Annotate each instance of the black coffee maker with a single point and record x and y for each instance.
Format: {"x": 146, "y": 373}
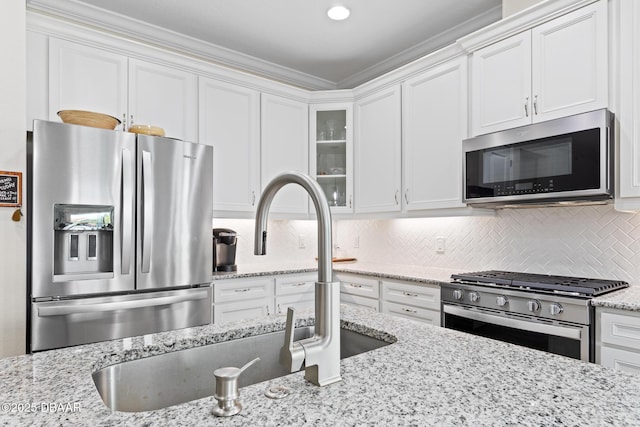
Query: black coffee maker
{"x": 224, "y": 250}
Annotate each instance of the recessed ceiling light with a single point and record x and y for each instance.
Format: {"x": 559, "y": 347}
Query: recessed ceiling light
{"x": 338, "y": 13}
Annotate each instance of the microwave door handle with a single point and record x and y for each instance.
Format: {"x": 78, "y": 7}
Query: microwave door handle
{"x": 147, "y": 210}
{"x": 127, "y": 210}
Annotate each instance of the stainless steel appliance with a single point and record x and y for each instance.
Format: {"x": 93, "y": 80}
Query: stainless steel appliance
{"x": 567, "y": 160}
{"x": 224, "y": 250}
{"x": 118, "y": 234}
{"x": 549, "y": 313}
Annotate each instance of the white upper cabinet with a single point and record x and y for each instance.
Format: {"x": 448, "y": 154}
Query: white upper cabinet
{"x": 331, "y": 154}
{"x": 284, "y": 139}
{"x": 86, "y": 78}
{"x": 434, "y": 115}
{"x": 628, "y": 114}
{"x": 556, "y": 69}
{"x": 501, "y": 85}
{"x": 163, "y": 96}
{"x": 378, "y": 151}
{"x": 229, "y": 120}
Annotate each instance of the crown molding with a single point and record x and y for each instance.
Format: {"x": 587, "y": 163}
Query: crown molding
{"x": 91, "y": 16}
{"x": 524, "y": 20}
{"x": 422, "y": 49}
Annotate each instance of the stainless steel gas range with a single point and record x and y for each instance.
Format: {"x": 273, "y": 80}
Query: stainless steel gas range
{"x": 549, "y": 313}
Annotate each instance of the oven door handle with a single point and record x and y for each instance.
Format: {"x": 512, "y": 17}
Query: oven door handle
{"x": 555, "y": 330}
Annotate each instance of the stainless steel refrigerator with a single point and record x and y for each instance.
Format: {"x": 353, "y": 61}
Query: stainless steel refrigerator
{"x": 119, "y": 234}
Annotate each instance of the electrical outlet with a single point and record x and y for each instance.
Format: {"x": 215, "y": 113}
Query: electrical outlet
{"x": 356, "y": 242}
{"x": 301, "y": 244}
{"x": 440, "y": 244}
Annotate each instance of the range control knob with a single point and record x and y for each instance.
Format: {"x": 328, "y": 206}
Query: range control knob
{"x": 533, "y": 305}
{"x": 556, "y": 308}
{"x": 457, "y": 294}
{"x": 502, "y": 301}
{"x": 474, "y": 296}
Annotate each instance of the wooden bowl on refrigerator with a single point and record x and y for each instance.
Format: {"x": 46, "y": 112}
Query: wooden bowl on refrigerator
{"x": 88, "y": 118}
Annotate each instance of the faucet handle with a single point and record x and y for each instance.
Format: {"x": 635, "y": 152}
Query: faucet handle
{"x": 227, "y": 390}
{"x": 291, "y": 354}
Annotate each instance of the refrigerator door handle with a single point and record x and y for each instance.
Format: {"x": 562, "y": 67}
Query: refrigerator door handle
{"x": 67, "y": 309}
{"x": 127, "y": 210}
{"x": 147, "y": 210}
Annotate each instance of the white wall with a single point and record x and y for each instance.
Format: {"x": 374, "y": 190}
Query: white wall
{"x": 586, "y": 241}
{"x": 12, "y": 158}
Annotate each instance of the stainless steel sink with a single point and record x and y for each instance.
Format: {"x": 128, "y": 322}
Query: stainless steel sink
{"x": 159, "y": 381}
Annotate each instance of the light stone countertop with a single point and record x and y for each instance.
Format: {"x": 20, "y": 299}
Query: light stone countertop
{"x": 430, "y": 376}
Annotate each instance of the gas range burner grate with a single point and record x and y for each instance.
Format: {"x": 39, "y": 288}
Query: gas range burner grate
{"x": 542, "y": 282}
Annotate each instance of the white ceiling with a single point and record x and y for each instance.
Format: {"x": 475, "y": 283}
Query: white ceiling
{"x": 295, "y": 41}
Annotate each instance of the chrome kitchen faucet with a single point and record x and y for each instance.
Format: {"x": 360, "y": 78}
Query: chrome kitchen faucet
{"x": 320, "y": 353}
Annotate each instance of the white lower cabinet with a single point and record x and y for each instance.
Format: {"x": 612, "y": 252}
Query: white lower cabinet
{"x": 359, "y": 291}
{"x": 295, "y": 291}
{"x": 618, "y": 339}
{"x": 246, "y": 298}
{"x": 417, "y": 302}
{"x": 238, "y": 299}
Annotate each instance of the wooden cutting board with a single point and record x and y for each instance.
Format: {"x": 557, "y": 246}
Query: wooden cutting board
{"x": 345, "y": 259}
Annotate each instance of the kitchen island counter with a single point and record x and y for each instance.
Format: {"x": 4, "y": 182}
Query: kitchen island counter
{"x": 430, "y": 376}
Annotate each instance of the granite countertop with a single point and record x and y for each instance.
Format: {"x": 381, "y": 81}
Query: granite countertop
{"x": 626, "y": 299}
{"x": 430, "y": 376}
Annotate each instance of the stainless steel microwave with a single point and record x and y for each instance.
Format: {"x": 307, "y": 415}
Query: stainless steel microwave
{"x": 563, "y": 161}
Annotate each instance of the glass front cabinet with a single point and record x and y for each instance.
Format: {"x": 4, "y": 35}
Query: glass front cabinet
{"x": 331, "y": 159}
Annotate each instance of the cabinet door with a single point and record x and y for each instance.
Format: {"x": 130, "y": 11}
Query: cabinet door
{"x": 629, "y": 109}
{"x": 230, "y": 122}
{"x": 163, "y": 96}
{"x": 501, "y": 85}
{"x": 378, "y": 152}
{"x": 570, "y": 63}
{"x": 86, "y": 78}
{"x": 434, "y": 118}
{"x": 284, "y": 133}
{"x": 248, "y": 309}
{"x": 331, "y": 154}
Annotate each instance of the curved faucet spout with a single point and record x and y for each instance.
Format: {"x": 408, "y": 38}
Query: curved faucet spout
{"x": 320, "y": 353}
{"x": 323, "y": 213}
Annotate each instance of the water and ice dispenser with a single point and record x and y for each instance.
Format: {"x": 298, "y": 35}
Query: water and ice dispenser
{"x": 83, "y": 243}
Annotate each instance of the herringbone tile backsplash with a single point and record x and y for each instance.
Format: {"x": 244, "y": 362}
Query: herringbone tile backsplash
{"x": 587, "y": 241}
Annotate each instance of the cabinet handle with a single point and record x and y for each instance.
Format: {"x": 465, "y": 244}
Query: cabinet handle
{"x": 409, "y": 294}
{"x": 354, "y": 285}
{"x": 242, "y": 290}
{"x": 535, "y": 105}
{"x": 253, "y": 198}
{"x": 406, "y": 196}
{"x": 299, "y": 284}
{"x": 268, "y": 314}
{"x": 526, "y": 106}
{"x": 131, "y": 120}
{"x": 409, "y": 311}
{"x": 124, "y": 122}
{"x": 350, "y": 196}
{"x": 279, "y": 309}
{"x": 396, "y": 197}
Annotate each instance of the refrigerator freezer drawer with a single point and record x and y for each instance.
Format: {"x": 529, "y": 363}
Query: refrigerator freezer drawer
{"x": 58, "y": 324}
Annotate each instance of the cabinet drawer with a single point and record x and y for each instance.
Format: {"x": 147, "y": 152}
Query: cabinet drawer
{"x": 359, "y": 301}
{"x": 297, "y": 302}
{"x": 412, "y": 312}
{"x": 620, "y": 330}
{"x": 361, "y": 286}
{"x": 251, "y": 309}
{"x": 406, "y": 294}
{"x": 621, "y": 360}
{"x": 296, "y": 284}
{"x": 240, "y": 290}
